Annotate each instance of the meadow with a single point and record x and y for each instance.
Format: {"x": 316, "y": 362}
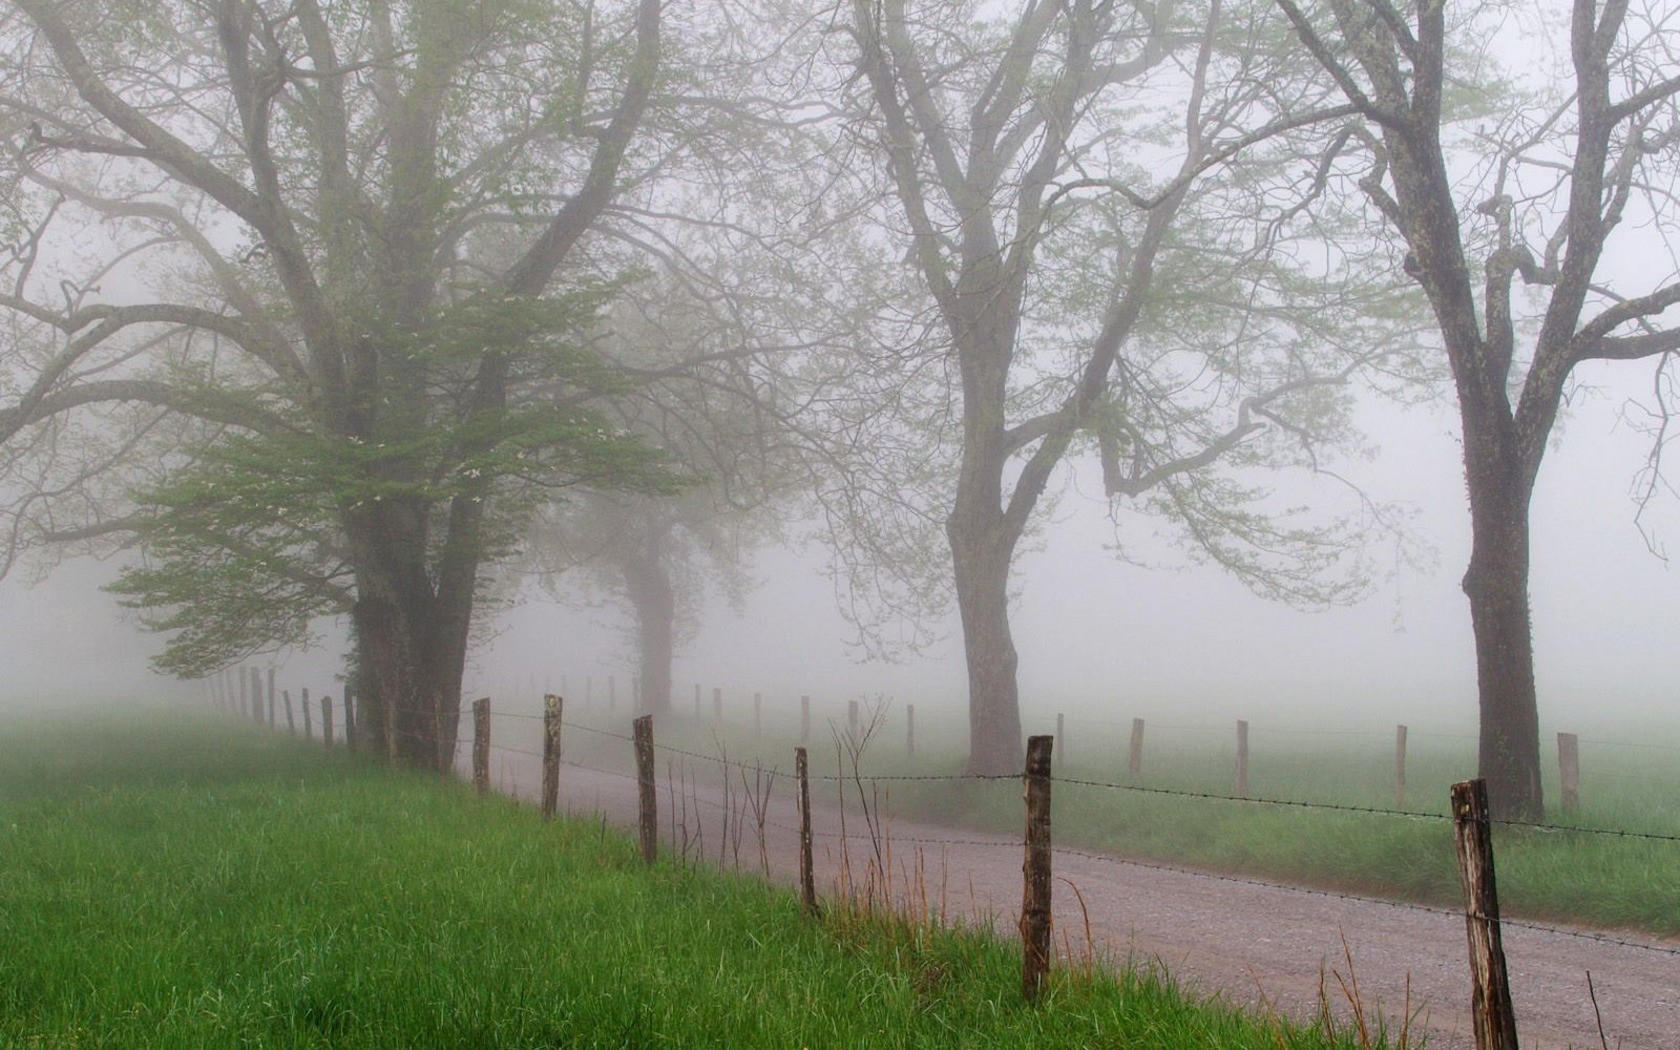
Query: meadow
{"x": 169, "y": 878}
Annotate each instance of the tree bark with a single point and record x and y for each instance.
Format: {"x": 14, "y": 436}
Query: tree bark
{"x": 994, "y": 700}
{"x": 1496, "y": 583}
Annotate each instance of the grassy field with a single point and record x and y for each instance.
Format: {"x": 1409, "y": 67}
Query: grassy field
{"x": 170, "y": 880}
{"x": 1545, "y": 875}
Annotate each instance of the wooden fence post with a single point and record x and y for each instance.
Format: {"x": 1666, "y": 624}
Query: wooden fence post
{"x": 257, "y": 714}
{"x": 1399, "y": 767}
{"x": 1494, "y": 1021}
{"x": 273, "y": 714}
{"x": 807, "y": 874}
{"x": 308, "y": 727}
{"x": 1035, "y": 870}
{"x": 1134, "y": 758}
{"x": 326, "y": 721}
{"x": 291, "y": 722}
{"x": 552, "y": 709}
{"x": 1569, "y": 771}
{"x": 649, "y": 807}
{"x": 804, "y": 718}
{"x": 1242, "y": 758}
{"x": 481, "y": 745}
{"x": 910, "y": 730}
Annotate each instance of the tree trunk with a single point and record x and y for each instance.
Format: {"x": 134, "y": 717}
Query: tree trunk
{"x": 647, "y": 581}
{"x": 1496, "y": 583}
{"x": 411, "y": 651}
{"x": 994, "y": 702}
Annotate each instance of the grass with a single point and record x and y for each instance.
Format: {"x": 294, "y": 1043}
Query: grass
{"x": 1544, "y": 875}
{"x": 169, "y": 880}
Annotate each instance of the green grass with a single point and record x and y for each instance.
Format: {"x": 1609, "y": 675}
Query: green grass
{"x": 167, "y": 880}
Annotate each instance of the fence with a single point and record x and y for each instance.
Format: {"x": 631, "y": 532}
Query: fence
{"x": 1494, "y": 1020}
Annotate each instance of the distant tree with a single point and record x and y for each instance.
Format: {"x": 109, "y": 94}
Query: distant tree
{"x": 700, "y": 396}
{"x": 1115, "y": 218}
{"x": 353, "y": 242}
{"x": 1542, "y": 191}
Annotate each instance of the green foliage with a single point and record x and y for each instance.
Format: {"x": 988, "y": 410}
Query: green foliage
{"x": 245, "y": 544}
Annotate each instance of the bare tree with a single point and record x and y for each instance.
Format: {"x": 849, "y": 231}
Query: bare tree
{"x": 1116, "y": 214}
{"x": 1534, "y": 197}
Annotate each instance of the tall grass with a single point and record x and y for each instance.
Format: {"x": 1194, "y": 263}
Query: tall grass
{"x": 170, "y": 881}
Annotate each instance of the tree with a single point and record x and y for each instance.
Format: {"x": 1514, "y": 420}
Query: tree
{"x": 705, "y": 396}
{"x": 1113, "y": 210}
{"x": 345, "y": 227}
{"x": 1555, "y": 180}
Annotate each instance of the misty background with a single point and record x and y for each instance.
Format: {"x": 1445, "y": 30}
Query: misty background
{"x": 1098, "y": 636}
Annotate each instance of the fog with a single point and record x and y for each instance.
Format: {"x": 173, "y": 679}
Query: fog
{"x": 1097, "y": 636}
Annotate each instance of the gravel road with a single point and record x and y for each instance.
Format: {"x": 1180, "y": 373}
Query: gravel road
{"x": 1266, "y": 946}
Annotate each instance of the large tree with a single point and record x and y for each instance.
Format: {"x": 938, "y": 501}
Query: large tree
{"x": 355, "y": 245}
{"x": 1510, "y": 223}
{"x": 1115, "y": 215}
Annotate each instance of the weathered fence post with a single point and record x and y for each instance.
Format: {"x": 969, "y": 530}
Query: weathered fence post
{"x": 1242, "y": 758}
{"x": 308, "y": 726}
{"x": 273, "y": 714}
{"x": 1569, "y": 771}
{"x": 804, "y": 718}
{"x": 481, "y": 745}
{"x": 1035, "y": 870}
{"x": 1494, "y": 1021}
{"x": 257, "y": 696}
{"x": 1134, "y": 758}
{"x": 910, "y": 730}
{"x": 291, "y": 722}
{"x": 1399, "y": 767}
{"x": 807, "y": 873}
{"x": 552, "y": 708}
{"x": 649, "y": 808}
{"x": 326, "y": 721}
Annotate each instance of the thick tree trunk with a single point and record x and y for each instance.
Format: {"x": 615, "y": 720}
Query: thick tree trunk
{"x": 653, "y": 599}
{"x": 1497, "y": 586}
{"x": 994, "y": 701}
{"x": 410, "y": 648}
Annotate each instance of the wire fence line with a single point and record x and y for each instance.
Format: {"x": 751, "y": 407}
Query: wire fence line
{"x": 1004, "y": 842}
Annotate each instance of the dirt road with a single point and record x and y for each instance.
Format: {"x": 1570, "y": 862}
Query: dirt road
{"x": 1262, "y": 945}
